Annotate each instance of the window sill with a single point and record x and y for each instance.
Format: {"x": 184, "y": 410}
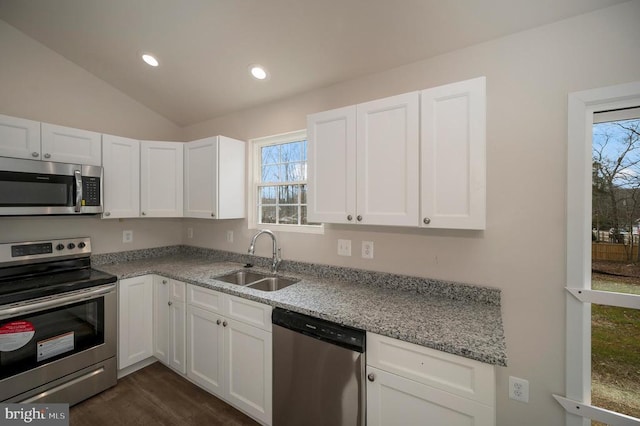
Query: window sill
{"x": 291, "y": 228}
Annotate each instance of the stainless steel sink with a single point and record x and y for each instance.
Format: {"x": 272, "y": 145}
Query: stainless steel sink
{"x": 272, "y": 283}
{"x": 256, "y": 280}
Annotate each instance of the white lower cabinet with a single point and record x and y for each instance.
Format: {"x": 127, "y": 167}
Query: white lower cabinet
{"x": 229, "y": 349}
{"x": 135, "y": 320}
{"x": 413, "y": 385}
{"x": 169, "y": 323}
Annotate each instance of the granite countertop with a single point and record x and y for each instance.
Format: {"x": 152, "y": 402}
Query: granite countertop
{"x": 457, "y": 325}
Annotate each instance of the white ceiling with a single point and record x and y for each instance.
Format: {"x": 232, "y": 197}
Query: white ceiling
{"x": 205, "y": 46}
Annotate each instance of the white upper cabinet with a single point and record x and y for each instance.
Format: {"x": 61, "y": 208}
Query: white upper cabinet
{"x": 121, "y": 185}
{"x": 69, "y": 145}
{"x": 19, "y": 138}
{"x": 416, "y": 159}
{"x": 363, "y": 163}
{"x": 161, "y": 179}
{"x": 453, "y": 156}
{"x": 331, "y": 159}
{"x": 214, "y": 178}
{"x": 388, "y": 161}
{"x": 32, "y": 140}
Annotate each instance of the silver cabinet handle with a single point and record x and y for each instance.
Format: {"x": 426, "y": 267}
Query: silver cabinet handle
{"x": 359, "y": 218}
{"x": 169, "y": 303}
{"x": 164, "y": 281}
{"x": 224, "y": 323}
{"x": 144, "y": 213}
{"x": 47, "y": 155}
{"x": 107, "y": 213}
{"x": 426, "y": 221}
{"x": 35, "y": 154}
{"x": 213, "y": 215}
{"x": 349, "y": 218}
{"x": 218, "y": 322}
{"x": 371, "y": 377}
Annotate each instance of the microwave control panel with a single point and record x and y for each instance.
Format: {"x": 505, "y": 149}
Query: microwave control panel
{"x": 90, "y": 191}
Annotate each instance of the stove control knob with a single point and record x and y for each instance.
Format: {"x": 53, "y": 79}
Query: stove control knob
{"x": 60, "y": 247}
{"x": 81, "y": 245}
{"x": 71, "y": 246}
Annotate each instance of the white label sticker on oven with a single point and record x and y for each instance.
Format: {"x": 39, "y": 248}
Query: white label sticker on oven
{"x": 55, "y": 346}
{"x": 15, "y": 334}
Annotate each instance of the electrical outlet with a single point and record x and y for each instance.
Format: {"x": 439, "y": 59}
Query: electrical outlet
{"x": 127, "y": 236}
{"x": 367, "y": 249}
{"x": 518, "y": 389}
{"x": 344, "y": 247}
{"x": 189, "y": 232}
{"x": 229, "y": 236}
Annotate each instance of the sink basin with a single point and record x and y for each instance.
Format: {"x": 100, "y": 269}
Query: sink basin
{"x": 241, "y": 277}
{"x": 272, "y": 283}
{"x": 256, "y": 280}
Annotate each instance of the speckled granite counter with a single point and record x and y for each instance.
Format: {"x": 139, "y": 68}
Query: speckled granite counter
{"x": 456, "y": 318}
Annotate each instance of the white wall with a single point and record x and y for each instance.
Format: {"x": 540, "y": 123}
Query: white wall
{"x": 522, "y": 251}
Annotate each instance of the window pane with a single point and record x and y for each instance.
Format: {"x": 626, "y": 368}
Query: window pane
{"x": 289, "y": 215}
{"x": 268, "y": 194}
{"x": 292, "y": 152}
{"x": 271, "y": 173}
{"x": 268, "y": 214}
{"x": 303, "y": 194}
{"x": 288, "y": 194}
{"x": 295, "y": 172}
{"x": 615, "y": 331}
{"x": 270, "y": 154}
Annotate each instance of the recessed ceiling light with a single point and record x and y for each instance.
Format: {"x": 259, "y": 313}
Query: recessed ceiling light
{"x": 258, "y": 72}
{"x": 149, "y": 59}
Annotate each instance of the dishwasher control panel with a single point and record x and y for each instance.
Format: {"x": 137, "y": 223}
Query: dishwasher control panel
{"x": 341, "y": 335}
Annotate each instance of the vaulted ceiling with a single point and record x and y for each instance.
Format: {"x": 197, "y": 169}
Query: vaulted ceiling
{"x": 206, "y": 46}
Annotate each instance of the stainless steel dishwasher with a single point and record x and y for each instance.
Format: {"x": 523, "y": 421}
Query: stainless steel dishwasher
{"x": 318, "y": 372}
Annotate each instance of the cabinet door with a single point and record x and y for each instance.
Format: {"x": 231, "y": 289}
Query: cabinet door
{"x": 19, "y": 138}
{"x": 205, "y": 339}
{"x": 331, "y": 166}
{"x": 388, "y": 161}
{"x": 231, "y": 178}
{"x": 69, "y": 145}
{"x": 161, "y": 180}
{"x": 135, "y": 326}
{"x": 177, "y": 336}
{"x": 393, "y": 400}
{"x": 248, "y": 361}
{"x": 121, "y": 184}
{"x": 201, "y": 178}
{"x": 161, "y": 318}
{"x": 453, "y": 156}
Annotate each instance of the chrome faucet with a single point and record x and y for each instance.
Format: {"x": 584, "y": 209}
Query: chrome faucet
{"x": 276, "y": 251}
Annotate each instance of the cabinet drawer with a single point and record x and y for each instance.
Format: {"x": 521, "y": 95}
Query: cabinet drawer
{"x": 248, "y": 312}
{"x": 204, "y": 298}
{"x": 457, "y": 375}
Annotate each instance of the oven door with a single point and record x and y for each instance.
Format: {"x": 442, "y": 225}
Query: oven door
{"x": 45, "y": 340}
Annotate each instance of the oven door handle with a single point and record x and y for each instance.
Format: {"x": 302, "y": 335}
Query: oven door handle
{"x": 26, "y": 308}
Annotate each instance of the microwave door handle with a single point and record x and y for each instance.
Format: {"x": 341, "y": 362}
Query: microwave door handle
{"x": 78, "y": 176}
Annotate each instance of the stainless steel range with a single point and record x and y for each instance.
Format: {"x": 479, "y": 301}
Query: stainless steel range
{"x": 57, "y": 323}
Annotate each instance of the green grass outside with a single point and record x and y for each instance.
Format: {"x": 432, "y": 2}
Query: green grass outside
{"x": 615, "y": 352}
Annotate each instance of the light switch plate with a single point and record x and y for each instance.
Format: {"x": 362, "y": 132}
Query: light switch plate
{"x": 344, "y": 247}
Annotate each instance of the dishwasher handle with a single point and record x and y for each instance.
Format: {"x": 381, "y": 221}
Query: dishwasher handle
{"x": 327, "y": 331}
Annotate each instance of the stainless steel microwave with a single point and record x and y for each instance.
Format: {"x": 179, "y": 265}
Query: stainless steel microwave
{"x": 31, "y": 187}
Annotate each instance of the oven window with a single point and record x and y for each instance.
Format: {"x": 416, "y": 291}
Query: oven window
{"x": 30, "y": 189}
{"x": 31, "y": 340}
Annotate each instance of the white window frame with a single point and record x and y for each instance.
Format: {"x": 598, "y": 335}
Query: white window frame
{"x": 577, "y": 401}
{"x": 255, "y": 172}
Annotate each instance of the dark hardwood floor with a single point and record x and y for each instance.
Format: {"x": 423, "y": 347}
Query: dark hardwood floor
{"x": 156, "y": 395}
